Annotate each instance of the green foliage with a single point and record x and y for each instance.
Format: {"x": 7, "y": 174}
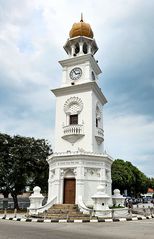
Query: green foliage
{"x": 127, "y": 176}
{"x": 114, "y": 207}
{"x": 5, "y": 164}
{"x": 22, "y": 163}
{"x": 121, "y": 175}
{"x": 151, "y": 183}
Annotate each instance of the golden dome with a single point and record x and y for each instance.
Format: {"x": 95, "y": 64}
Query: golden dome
{"x": 81, "y": 29}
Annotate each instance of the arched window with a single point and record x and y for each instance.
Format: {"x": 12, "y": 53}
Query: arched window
{"x": 96, "y": 122}
{"x": 72, "y": 107}
{"x": 98, "y": 116}
{"x": 85, "y": 49}
{"x": 77, "y": 48}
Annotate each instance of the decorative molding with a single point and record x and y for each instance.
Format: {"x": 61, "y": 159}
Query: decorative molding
{"x": 80, "y": 60}
{"x": 73, "y": 105}
{"x": 67, "y": 163}
{"x": 75, "y": 171}
{"x": 75, "y": 158}
{"x": 81, "y": 88}
{"x": 92, "y": 172}
{"x": 62, "y": 172}
{"x": 65, "y": 171}
{"x": 52, "y": 174}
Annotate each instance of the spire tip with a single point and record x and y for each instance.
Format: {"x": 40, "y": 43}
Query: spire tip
{"x": 81, "y": 17}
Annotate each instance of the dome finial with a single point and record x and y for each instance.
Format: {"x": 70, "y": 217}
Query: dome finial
{"x": 81, "y": 29}
{"x": 81, "y": 17}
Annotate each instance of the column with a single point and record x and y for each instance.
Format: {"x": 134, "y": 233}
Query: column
{"x": 79, "y": 182}
{"x": 57, "y": 184}
{"x": 89, "y": 48}
{"x": 81, "y": 48}
{"x": 73, "y": 50}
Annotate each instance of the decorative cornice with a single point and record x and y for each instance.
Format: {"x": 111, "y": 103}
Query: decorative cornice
{"x": 80, "y": 155}
{"x": 80, "y": 60}
{"x": 73, "y": 100}
{"x": 81, "y": 88}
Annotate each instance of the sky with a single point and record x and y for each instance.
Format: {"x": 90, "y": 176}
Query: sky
{"x": 32, "y": 35}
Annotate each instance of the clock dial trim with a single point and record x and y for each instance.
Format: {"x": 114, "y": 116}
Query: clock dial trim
{"x": 75, "y": 73}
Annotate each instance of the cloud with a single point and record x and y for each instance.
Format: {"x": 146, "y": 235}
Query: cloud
{"x": 130, "y": 137}
{"x": 128, "y": 59}
{"x": 32, "y": 34}
{"x": 27, "y": 125}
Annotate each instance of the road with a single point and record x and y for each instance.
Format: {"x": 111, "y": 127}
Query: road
{"x": 109, "y": 230}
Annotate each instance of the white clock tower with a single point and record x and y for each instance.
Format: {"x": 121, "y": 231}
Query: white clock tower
{"x": 79, "y": 163}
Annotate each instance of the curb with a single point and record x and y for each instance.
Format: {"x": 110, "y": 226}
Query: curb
{"x": 75, "y": 221}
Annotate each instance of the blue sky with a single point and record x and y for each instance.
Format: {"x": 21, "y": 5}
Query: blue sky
{"x": 32, "y": 35}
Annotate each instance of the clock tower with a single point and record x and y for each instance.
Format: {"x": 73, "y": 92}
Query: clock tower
{"x": 79, "y": 163}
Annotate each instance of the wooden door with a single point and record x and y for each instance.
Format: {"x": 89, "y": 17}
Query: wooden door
{"x": 69, "y": 190}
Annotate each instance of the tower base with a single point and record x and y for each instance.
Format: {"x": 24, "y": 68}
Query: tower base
{"x": 73, "y": 175}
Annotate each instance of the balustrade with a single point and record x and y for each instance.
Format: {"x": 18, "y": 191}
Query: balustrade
{"x": 99, "y": 135}
{"x": 73, "y": 129}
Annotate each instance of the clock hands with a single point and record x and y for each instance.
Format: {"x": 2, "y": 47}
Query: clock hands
{"x": 76, "y": 72}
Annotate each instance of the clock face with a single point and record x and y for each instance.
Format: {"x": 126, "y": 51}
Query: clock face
{"x": 75, "y": 73}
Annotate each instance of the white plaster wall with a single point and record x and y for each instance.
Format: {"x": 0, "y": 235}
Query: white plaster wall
{"x": 96, "y": 147}
{"x": 85, "y": 118}
{"x": 88, "y": 174}
{"x": 86, "y": 74}
{"x": 90, "y": 188}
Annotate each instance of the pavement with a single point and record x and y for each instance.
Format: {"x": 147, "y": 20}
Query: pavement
{"x": 142, "y": 229}
{"x": 23, "y": 217}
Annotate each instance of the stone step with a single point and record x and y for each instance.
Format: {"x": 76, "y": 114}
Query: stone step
{"x": 52, "y": 210}
{"x": 67, "y": 217}
{"x": 65, "y": 206}
{"x": 65, "y": 214}
{"x": 55, "y": 216}
{"x": 65, "y": 211}
{"x": 78, "y": 215}
{"x": 75, "y": 213}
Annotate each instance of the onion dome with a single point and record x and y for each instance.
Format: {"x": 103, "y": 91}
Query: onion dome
{"x": 81, "y": 29}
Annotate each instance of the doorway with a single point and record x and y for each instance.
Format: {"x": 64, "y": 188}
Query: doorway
{"x": 69, "y": 190}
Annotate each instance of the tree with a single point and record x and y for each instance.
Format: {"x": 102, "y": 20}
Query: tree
{"x": 5, "y": 164}
{"x": 151, "y": 183}
{"x": 139, "y": 182}
{"x": 37, "y": 169}
{"x": 127, "y": 176}
{"x": 22, "y": 163}
{"x": 122, "y": 176}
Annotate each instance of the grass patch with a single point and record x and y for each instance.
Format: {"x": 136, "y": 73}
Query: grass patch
{"x": 115, "y": 207}
{"x": 12, "y": 211}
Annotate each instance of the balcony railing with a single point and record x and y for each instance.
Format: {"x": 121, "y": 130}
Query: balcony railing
{"x": 73, "y": 132}
{"x": 99, "y": 135}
